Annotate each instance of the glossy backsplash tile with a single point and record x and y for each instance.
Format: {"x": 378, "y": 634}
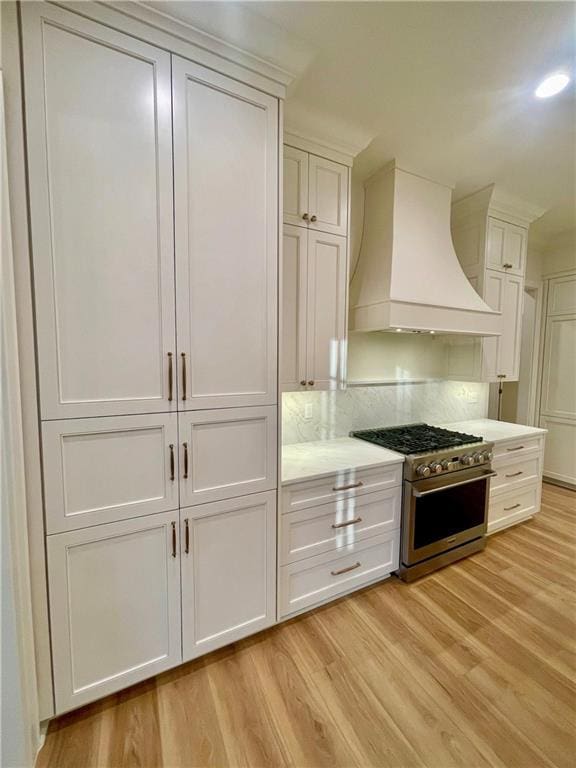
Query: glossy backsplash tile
{"x": 323, "y": 415}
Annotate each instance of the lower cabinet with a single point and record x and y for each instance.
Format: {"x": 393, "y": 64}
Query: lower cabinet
{"x": 228, "y": 571}
{"x": 114, "y": 605}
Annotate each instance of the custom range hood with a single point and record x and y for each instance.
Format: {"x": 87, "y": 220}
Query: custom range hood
{"x": 408, "y": 276}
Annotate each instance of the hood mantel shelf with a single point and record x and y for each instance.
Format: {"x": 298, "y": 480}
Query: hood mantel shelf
{"x": 408, "y": 275}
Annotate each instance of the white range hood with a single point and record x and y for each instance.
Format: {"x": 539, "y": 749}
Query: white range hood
{"x": 408, "y": 276}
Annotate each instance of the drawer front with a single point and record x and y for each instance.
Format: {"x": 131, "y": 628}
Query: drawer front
{"x": 316, "y": 579}
{"x": 226, "y": 453}
{"x": 342, "y": 485}
{"x": 513, "y": 475}
{"x": 510, "y": 508}
{"x": 106, "y": 469}
{"x": 327, "y": 527}
{"x": 517, "y": 448}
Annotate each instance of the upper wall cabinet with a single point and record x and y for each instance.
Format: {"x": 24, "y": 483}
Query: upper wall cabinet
{"x": 315, "y": 192}
{"x": 99, "y": 147}
{"x": 506, "y": 247}
{"x": 226, "y": 225}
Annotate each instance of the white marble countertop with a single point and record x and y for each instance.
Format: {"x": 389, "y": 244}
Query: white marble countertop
{"x": 494, "y": 431}
{"x": 302, "y": 461}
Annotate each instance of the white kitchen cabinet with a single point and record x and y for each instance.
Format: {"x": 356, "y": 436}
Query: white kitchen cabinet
{"x": 295, "y": 186}
{"x": 506, "y": 247}
{"x": 501, "y": 354}
{"x": 314, "y": 296}
{"x": 114, "y": 605}
{"x": 316, "y": 191}
{"x": 107, "y": 469}
{"x": 100, "y": 147}
{"x": 226, "y": 453}
{"x": 226, "y": 226}
{"x": 228, "y": 571}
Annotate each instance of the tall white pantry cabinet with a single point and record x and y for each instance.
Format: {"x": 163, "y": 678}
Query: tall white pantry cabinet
{"x": 154, "y": 219}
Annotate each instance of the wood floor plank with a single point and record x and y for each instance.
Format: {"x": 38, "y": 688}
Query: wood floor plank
{"x": 470, "y": 667}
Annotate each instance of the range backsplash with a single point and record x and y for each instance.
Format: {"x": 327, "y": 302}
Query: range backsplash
{"x": 310, "y": 416}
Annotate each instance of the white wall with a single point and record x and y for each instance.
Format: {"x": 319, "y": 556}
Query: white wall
{"x": 560, "y": 253}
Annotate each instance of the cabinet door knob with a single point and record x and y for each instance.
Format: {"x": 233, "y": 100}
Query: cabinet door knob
{"x": 303, "y": 383}
{"x": 311, "y": 382}
{"x": 507, "y": 266}
{"x": 305, "y": 216}
{"x": 313, "y": 218}
{"x": 170, "y": 377}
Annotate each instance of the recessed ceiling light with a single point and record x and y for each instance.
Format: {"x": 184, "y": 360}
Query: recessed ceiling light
{"x": 398, "y": 330}
{"x": 552, "y": 85}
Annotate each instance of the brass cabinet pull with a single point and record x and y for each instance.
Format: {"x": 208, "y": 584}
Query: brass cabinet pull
{"x": 305, "y": 216}
{"x": 518, "y": 448}
{"x": 507, "y": 266}
{"x": 170, "y": 377}
{"x": 186, "y": 536}
{"x": 183, "y": 356}
{"x": 311, "y": 382}
{"x": 345, "y": 570}
{"x": 514, "y": 506}
{"x": 347, "y": 522}
{"x": 173, "y": 539}
{"x": 501, "y": 376}
{"x": 303, "y": 383}
{"x": 514, "y": 474}
{"x": 172, "y": 476}
{"x": 359, "y": 484}
{"x": 313, "y": 218}
{"x": 185, "y": 460}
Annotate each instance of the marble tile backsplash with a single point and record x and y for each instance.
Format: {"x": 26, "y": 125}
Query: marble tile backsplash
{"x": 310, "y": 416}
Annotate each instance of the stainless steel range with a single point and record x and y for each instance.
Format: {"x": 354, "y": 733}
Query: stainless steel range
{"x": 446, "y": 490}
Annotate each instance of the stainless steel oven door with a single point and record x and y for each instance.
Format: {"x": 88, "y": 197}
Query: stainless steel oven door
{"x": 441, "y": 513}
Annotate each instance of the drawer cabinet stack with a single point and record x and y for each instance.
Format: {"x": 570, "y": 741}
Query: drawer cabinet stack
{"x": 337, "y": 533}
{"x": 154, "y": 219}
{"x": 516, "y": 490}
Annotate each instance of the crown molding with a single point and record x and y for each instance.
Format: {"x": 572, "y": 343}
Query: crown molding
{"x": 339, "y": 153}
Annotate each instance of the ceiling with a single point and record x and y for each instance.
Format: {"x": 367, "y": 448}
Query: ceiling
{"x": 445, "y": 87}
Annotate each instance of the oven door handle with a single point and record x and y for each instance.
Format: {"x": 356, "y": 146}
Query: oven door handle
{"x": 485, "y": 476}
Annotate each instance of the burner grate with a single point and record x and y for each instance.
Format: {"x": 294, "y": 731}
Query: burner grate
{"x": 415, "y": 438}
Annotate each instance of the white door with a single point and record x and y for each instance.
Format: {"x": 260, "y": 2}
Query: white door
{"x": 100, "y": 160}
{"x": 328, "y": 195}
{"x": 107, "y": 469}
{"x": 228, "y": 452}
{"x": 295, "y": 186}
{"x": 226, "y": 219}
{"x": 326, "y": 302}
{"x": 294, "y": 290}
{"x": 228, "y": 571}
{"x": 114, "y": 606}
{"x": 511, "y": 339}
{"x": 494, "y": 284}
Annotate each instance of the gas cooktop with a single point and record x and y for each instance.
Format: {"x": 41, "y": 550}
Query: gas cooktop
{"x": 415, "y": 438}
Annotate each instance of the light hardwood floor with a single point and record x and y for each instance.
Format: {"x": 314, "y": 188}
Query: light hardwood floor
{"x": 472, "y": 666}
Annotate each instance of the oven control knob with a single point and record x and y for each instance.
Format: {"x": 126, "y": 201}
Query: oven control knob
{"x": 487, "y": 455}
{"x": 436, "y": 467}
{"x": 478, "y": 458}
{"x": 467, "y": 460}
{"x": 423, "y": 470}
{"x": 449, "y": 465}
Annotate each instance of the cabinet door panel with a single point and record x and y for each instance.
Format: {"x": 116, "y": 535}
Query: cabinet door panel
{"x": 107, "y": 469}
{"x": 295, "y": 185}
{"x": 495, "y": 243}
{"x": 326, "y": 301}
{"x": 559, "y": 369}
{"x": 294, "y": 289}
{"x": 515, "y": 249}
{"x": 226, "y": 214}
{"x": 229, "y": 573}
{"x": 231, "y": 452}
{"x": 115, "y": 607}
{"x": 328, "y": 195}
{"x": 100, "y": 158}
{"x": 512, "y": 324}
{"x": 494, "y": 296}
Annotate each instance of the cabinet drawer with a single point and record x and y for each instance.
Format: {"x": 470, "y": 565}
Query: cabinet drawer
{"x": 106, "y": 469}
{"x": 515, "y": 474}
{"x": 316, "y": 579}
{"x": 516, "y": 448}
{"x": 341, "y": 485}
{"x": 327, "y": 527}
{"x": 510, "y": 508}
{"x": 226, "y": 453}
